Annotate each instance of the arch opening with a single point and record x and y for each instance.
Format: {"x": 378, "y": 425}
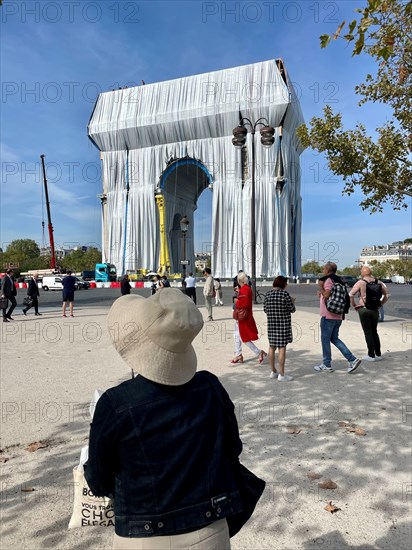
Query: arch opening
{"x": 181, "y": 184}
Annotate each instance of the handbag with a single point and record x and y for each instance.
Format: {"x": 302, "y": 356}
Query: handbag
{"x": 249, "y": 485}
{"x": 240, "y": 314}
{"x": 3, "y": 302}
{"x": 89, "y": 510}
{"x": 251, "y": 488}
{"x": 28, "y": 301}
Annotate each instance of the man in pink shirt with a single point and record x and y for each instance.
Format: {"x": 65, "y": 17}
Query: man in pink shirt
{"x": 330, "y": 324}
{"x": 369, "y": 312}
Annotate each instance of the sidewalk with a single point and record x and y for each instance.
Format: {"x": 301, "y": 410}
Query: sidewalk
{"x": 51, "y": 367}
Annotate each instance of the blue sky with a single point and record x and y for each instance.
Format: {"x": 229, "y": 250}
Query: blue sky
{"x": 56, "y": 57}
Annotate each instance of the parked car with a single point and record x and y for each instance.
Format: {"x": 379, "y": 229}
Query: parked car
{"x": 87, "y": 275}
{"x": 82, "y": 284}
{"x": 348, "y": 280}
{"x": 386, "y": 281}
{"x": 52, "y": 283}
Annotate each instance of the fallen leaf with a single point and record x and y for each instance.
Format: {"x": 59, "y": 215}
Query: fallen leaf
{"x": 327, "y": 484}
{"x": 36, "y": 445}
{"x": 3, "y": 460}
{"x": 314, "y": 475}
{"x": 28, "y": 489}
{"x": 360, "y": 431}
{"x": 293, "y": 430}
{"x": 331, "y": 507}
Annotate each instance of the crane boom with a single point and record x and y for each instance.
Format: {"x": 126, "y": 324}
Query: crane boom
{"x": 49, "y": 225}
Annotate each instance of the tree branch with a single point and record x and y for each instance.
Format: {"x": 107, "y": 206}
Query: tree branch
{"x": 404, "y": 160}
{"x": 392, "y": 187}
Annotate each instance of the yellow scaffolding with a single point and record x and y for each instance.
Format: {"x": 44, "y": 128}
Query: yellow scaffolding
{"x": 164, "y": 259}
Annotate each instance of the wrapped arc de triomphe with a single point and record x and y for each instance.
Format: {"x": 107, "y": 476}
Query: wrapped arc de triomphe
{"x": 161, "y": 145}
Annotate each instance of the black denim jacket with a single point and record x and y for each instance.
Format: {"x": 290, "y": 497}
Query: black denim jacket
{"x": 166, "y": 454}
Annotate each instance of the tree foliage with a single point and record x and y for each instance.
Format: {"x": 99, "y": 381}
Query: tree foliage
{"x": 351, "y": 271}
{"x": 24, "y": 255}
{"x": 80, "y": 260}
{"x": 381, "y": 166}
{"x": 389, "y": 268}
{"x": 311, "y": 268}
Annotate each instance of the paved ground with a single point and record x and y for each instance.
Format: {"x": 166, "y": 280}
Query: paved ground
{"x": 51, "y": 366}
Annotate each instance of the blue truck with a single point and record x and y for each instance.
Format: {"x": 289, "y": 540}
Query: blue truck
{"x": 105, "y": 273}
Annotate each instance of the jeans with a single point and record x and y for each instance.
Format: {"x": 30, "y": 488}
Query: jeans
{"x": 329, "y": 333}
{"x": 369, "y": 321}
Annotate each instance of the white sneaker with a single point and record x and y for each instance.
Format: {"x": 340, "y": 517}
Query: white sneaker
{"x": 368, "y": 358}
{"x": 285, "y": 378}
{"x": 273, "y": 374}
{"x": 323, "y": 368}
{"x": 378, "y": 358}
{"x": 353, "y": 365}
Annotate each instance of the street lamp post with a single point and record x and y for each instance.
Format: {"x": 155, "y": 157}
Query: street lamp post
{"x": 184, "y": 226}
{"x": 239, "y": 140}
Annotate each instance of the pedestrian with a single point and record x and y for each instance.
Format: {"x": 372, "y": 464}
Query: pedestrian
{"x": 371, "y": 296}
{"x": 190, "y": 285}
{"x": 33, "y": 293}
{"x": 69, "y": 286}
{"x": 245, "y": 329}
{"x": 381, "y": 310}
{"x": 219, "y": 292}
{"x": 164, "y": 444}
{"x": 125, "y": 285}
{"x": 330, "y": 324}
{"x": 165, "y": 282}
{"x": 8, "y": 290}
{"x": 209, "y": 292}
{"x": 279, "y": 306}
{"x": 158, "y": 282}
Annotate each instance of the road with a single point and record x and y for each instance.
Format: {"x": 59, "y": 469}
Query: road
{"x": 399, "y": 304}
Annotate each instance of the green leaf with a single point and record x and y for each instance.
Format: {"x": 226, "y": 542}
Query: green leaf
{"x": 324, "y": 40}
{"x": 365, "y": 24}
{"x": 359, "y": 44}
{"x": 352, "y": 26}
{"x": 385, "y": 52}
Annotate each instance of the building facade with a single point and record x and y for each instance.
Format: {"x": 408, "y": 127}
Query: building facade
{"x": 161, "y": 145}
{"x": 382, "y": 253}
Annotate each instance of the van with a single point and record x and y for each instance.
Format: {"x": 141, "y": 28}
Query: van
{"x": 52, "y": 283}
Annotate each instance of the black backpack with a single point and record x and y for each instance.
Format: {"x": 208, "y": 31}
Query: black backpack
{"x": 373, "y": 294}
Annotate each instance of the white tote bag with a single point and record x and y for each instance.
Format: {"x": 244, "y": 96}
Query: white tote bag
{"x": 89, "y": 510}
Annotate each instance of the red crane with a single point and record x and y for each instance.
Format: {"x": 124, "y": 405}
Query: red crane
{"x": 50, "y": 227}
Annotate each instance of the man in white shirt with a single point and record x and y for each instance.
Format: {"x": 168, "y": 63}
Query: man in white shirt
{"x": 190, "y": 283}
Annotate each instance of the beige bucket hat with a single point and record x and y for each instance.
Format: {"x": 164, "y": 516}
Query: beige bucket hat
{"x": 154, "y": 335}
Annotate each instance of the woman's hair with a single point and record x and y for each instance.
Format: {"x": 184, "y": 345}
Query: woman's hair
{"x": 242, "y": 278}
{"x": 280, "y": 282}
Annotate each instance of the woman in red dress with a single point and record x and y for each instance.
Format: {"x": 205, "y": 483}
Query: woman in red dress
{"x": 245, "y": 329}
